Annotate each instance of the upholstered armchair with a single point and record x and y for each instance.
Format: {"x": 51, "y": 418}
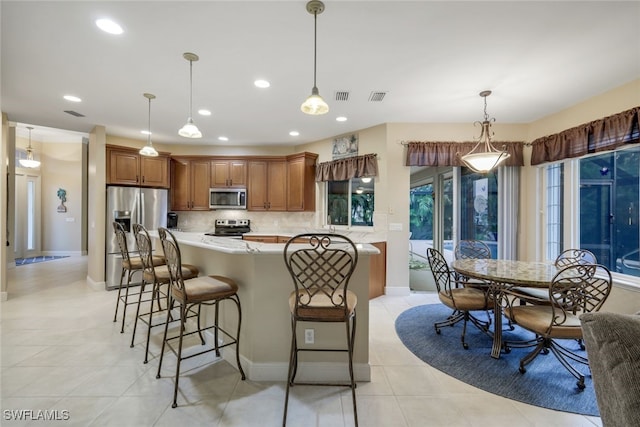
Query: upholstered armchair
{"x": 613, "y": 348}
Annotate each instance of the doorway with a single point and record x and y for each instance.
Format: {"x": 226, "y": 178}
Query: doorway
{"x": 431, "y": 222}
{"x": 27, "y": 215}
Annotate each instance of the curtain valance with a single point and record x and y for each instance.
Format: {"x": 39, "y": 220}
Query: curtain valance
{"x": 448, "y": 153}
{"x": 604, "y": 134}
{"x": 347, "y": 168}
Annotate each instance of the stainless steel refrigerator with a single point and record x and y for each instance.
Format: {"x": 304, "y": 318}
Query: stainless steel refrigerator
{"x": 128, "y": 206}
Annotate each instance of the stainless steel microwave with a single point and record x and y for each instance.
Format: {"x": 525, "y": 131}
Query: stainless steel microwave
{"x": 227, "y": 198}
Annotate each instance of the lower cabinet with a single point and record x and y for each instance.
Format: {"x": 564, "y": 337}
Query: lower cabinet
{"x": 378, "y": 271}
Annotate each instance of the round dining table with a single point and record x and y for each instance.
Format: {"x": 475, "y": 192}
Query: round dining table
{"x": 502, "y": 274}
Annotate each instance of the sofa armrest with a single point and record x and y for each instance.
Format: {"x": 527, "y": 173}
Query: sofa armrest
{"x": 613, "y": 349}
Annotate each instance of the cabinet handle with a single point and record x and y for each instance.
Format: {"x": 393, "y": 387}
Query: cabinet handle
{"x": 136, "y": 178}
{"x": 143, "y": 179}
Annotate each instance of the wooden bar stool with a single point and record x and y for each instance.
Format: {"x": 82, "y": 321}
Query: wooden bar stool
{"x": 191, "y": 295}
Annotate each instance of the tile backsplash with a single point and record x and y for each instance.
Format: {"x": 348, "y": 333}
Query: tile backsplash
{"x": 260, "y": 221}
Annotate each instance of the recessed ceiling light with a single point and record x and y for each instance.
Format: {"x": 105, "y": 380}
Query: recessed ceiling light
{"x": 72, "y": 98}
{"x": 294, "y": 133}
{"x": 223, "y": 138}
{"x": 145, "y": 132}
{"x": 262, "y": 84}
{"x": 341, "y": 119}
{"x": 204, "y": 112}
{"x": 109, "y": 26}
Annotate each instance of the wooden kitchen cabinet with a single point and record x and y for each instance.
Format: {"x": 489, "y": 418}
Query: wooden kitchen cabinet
{"x": 261, "y": 239}
{"x": 267, "y": 185}
{"x": 126, "y": 167}
{"x": 228, "y": 173}
{"x": 378, "y": 271}
{"x": 190, "y": 184}
{"x": 301, "y": 195}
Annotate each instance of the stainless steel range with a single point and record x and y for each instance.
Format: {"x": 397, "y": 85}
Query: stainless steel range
{"x": 231, "y": 228}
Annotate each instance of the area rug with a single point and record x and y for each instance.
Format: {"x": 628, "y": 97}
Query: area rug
{"x": 36, "y": 259}
{"x": 546, "y": 383}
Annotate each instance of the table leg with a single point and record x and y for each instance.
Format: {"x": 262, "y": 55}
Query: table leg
{"x": 496, "y": 290}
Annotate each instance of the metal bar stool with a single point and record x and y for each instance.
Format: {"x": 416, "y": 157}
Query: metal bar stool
{"x": 130, "y": 266}
{"x": 157, "y": 276}
{"x": 191, "y": 294}
{"x": 321, "y": 268}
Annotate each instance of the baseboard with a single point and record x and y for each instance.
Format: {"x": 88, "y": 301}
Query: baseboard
{"x": 307, "y": 371}
{"x": 62, "y": 253}
{"x": 96, "y": 286}
{"x": 397, "y": 291}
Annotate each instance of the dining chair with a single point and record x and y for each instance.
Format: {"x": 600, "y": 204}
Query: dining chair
{"x": 457, "y": 296}
{"x": 321, "y": 269}
{"x": 471, "y": 249}
{"x": 575, "y": 290}
{"x": 157, "y": 276}
{"x": 564, "y": 259}
{"x": 129, "y": 265}
{"x": 191, "y": 295}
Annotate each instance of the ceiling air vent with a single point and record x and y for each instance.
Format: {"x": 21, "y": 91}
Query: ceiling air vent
{"x": 377, "y": 96}
{"x": 74, "y": 113}
{"x": 342, "y": 96}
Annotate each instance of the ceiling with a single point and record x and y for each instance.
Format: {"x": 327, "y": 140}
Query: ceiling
{"x": 430, "y": 59}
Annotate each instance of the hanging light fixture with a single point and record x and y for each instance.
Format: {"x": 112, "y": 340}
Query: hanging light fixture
{"x": 190, "y": 130}
{"x": 148, "y": 149}
{"x": 484, "y": 156}
{"x": 314, "y": 104}
{"x": 29, "y": 162}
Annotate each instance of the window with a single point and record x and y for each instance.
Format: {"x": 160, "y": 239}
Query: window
{"x": 607, "y": 189}
{"x": 421, "y": 200}
{"x": 350, "y": 203}
{"x": 609, "y": 200}
{"x": 479, "y": 208}
{"x": 554, "y": 189}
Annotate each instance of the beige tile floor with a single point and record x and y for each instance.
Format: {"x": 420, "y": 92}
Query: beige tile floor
{"x": 61, "y": 351}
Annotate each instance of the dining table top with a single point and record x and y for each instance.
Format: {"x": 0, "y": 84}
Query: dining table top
{"x": 520, "y": 273}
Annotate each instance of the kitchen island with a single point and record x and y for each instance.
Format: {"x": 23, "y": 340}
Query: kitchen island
{"x": 264, "y": 286}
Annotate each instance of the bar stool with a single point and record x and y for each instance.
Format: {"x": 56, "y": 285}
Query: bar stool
{"x": 321, "y": 269}
{"x": 130, "y": 266}
{"x": 157, "y": 277}
{"x": 191, "y": 295}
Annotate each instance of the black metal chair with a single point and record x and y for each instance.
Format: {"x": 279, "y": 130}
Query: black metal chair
{"x": 157, "y": 276}
{"x": 130, "y": 266}
{"x": 191, "y": 295}
{"x": 575, "y": 290}
{"x": 321, "y": 267}
{"x": 459, "y": 297}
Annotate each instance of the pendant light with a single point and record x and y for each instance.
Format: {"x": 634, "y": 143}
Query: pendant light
{"x": 190, "y": 130}
{"x": 29, "y": 162}
{"x": 484, "y": 157}
{"x": 148, "y": 149}
{"x": 314, "y": 104}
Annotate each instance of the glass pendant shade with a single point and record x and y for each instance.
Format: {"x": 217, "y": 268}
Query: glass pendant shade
{"x": 29, "y": 162}
{"x": 484, "y": 157}
{"x": 190, "y": 130}
{"x": 148, "y": 149}
{"x": 314, "y": 104}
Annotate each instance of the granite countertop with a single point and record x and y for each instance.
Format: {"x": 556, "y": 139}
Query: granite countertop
{"x": 239, "y": 246}
{"x": 356, "y": 236}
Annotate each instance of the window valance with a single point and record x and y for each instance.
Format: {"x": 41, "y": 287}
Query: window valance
{"x": 448, "y": 153}
{"x": 604, "y": 134}
{"x": 350, "y": 167}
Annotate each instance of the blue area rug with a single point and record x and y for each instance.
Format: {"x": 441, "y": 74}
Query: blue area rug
{"x": 36, "y": 259}
{"x": 546, "y": 383}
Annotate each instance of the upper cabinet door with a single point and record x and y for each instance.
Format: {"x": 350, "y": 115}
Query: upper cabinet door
{"x": 257, "y": 186}
{"x": 123, "y": 167}
{"x": 155, "y": 171}
{"x": 228, "y": 173}
{"x": 180, "y": 185}
{"x": 277, "y": 192}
